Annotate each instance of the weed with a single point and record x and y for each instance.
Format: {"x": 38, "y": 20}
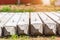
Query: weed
{"x": 23, "y": 37}
{"x": 53, "y": 37}
{"x": 14, "y": 37}
{"x": 6, "y": 9}
{"x": 23, "y": 10}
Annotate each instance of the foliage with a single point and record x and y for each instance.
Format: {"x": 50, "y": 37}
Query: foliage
{"x": 23, "y": 37}
{"x": 14, "y": 37}
{"x": 53, "y": 37}
{"x": 6, "y": 9}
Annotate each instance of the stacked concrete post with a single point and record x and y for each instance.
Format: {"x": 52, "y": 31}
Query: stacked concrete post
{"x": 36, "y": 24}
{"x": 56, "y": 19}
{"x": 11, "y": 26}
{"x": 3, "y": 20}
{"x": 49, "y": 25}
{"x": 23, "y": 24}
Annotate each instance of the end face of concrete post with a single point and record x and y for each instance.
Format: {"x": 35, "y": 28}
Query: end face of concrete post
{"x": 9, "y": 31}
{"x": 23, "y": 29}
{"x": 50, "y": 29}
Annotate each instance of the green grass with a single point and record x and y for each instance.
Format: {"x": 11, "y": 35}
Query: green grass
{"x": 21, "y": 37}
{"x": 24, "y": 37}
{"x": 14, "y": 37}
{"x": 53, "y": 37}
{"x": 23, "y": 10}
{"x": 8, "y": 9}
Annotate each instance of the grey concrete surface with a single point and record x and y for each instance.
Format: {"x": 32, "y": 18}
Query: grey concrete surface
{"x": 49, "y": 25}
{"x": 23, "y": 24}
{"x": 11, "y": 26}
{"x": 4, "y": 19}
{"x": 36, "y": 24}
{"x": 56, "y": 19}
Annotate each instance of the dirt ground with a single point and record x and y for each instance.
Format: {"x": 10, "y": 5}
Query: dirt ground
{"x": 45, "y": 38}
{"x": 34, "y": 38}
{"x": 36, "y": 8}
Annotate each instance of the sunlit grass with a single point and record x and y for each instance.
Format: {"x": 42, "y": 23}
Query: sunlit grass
{"x": 53, "y": 37}
{"x": 16, "y": 37}
{"x": 24, "y": 37}
{"x": 5, "y": 9}
{"x": 8, "y": 9}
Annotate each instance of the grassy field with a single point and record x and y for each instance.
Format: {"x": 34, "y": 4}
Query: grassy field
{"x": 30, "y": 8}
